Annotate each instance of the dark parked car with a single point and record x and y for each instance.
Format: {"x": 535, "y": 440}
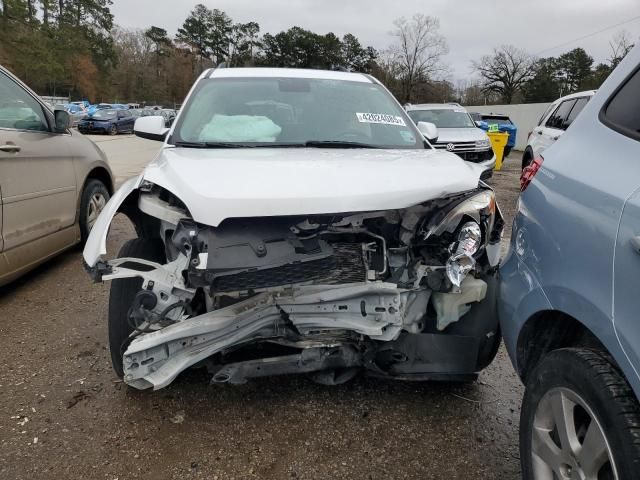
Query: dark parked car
{"x": 108, "y": 121}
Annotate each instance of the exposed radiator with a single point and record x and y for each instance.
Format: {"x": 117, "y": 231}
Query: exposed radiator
{"x": 346, "y": 265}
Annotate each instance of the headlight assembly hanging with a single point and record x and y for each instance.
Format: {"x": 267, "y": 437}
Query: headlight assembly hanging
{"x": 469, "y": 239}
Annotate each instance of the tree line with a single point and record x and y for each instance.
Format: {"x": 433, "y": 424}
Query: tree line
{"x": 72, "y": 48}
{"x": 511, "y": 75}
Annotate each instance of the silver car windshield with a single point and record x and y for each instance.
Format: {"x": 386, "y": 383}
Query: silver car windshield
{"x": 443, "y": 118}
{"x": 293, "y": 112}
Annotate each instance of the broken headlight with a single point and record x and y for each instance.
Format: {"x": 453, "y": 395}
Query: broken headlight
{"x": 480, "y": 207}
{"x": 467, "y": 225}
{"x": 462, "y": 261}
{"x": 458, "y": 267}
{"x": 469, "y": 239}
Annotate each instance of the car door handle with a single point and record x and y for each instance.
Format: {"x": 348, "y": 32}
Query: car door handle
{"x": 10, "y": 148}
{"x": 635, "y": 243}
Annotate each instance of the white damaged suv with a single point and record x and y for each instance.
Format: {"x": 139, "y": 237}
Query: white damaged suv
{"x": 296, "y": 221}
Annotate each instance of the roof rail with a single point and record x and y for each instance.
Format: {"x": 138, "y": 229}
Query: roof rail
{"x": 454, "y": 103}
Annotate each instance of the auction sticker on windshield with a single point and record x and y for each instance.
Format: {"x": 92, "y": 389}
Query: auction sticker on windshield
{"x": 381, "y": 118}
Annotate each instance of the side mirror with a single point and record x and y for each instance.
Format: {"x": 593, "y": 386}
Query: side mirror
{"x": 63, "y": 120}
{"x": 151, "y": 128}
{"x": 428, "y": 130}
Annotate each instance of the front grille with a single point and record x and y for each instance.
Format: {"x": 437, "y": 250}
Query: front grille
{"x": 346, "y": 265}
{"x": 457, "y": 146}
{"x": 466, "y": 150}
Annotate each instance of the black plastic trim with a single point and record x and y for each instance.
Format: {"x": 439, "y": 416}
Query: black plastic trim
{"x": 151, "y": 136}
{"x": 602, "y": 115}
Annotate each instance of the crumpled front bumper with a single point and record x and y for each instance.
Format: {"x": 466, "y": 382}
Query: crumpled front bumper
{"x": 375, "y": 310}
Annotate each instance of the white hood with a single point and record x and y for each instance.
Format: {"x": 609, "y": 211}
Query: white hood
{"x": 216, "y": 184}
{"x": 472, "y": 134}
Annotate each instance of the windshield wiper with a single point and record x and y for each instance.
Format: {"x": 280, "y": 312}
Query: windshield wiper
{"x": 211, "y": 145}
{"x": 337, "y": 144}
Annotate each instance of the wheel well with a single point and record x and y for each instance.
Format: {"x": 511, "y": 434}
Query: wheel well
{"x": 101, "y": 174}
{"x": 528, "y": 153}
{"x": 547, "y": 331}
{"x": 146, "y": 226}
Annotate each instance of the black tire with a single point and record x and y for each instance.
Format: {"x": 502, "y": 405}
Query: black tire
{"x": 92, "y": 189}
{"x": 507, "y": 151}
{"x": 113, "y": 130}
{"x": 122, "y": 293}
{"x": 592, "y": 376}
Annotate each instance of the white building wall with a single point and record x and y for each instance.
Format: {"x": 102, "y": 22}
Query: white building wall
{"x": 525, "y": 116}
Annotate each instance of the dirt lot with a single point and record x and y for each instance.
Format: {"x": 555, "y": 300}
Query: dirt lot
{"x": 64, "y": 415}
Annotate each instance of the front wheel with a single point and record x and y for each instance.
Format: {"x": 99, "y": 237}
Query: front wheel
{"x": 113, "y": 130}
{"x": 579, "y": 420}
{"x": 94, "y": 198}
{"x": 122, "y": 294}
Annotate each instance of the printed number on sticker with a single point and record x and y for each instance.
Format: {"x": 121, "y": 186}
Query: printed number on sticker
{"x": 380, "y": 118}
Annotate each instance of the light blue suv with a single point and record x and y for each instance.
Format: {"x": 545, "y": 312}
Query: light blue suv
{"x": 570, "y": 292}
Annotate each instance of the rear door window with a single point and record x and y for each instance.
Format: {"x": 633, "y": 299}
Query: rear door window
{"x": 622, "y": 112}
{"x": 559, "y": 117}
{"x": 577, "y": 108}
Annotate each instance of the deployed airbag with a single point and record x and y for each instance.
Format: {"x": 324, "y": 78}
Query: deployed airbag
{"x": 240, "y": 128}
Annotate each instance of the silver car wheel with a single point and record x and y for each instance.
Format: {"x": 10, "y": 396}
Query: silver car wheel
{"x": 568, "y": 442}
{"x": 95, "y": 206}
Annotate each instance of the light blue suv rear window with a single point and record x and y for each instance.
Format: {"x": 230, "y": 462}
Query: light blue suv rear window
{"x": 622, "y": 113}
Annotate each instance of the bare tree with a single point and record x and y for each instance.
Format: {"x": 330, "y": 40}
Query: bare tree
{"x": 419, "y": 51}
{"x": 470, "y": 92}
{"x": 505, "y": 71}
{"x": 620, "y": 45}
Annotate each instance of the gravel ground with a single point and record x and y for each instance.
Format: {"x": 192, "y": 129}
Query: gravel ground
{"x": 64, "y": 415}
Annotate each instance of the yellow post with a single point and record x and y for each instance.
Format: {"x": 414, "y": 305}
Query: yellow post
{"x": 498, "y": 142}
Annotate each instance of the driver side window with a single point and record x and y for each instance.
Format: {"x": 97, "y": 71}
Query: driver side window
{"x": 18, "y": 109}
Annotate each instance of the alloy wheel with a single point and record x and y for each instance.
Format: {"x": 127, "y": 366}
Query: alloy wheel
{"x": 568, "y": 441}
{"x": 95, "y": 206}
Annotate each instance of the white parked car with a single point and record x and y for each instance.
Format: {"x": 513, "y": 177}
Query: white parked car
{"x": 554, "y": 121}
{"x": 296, "y": 221}
{"x": 457, "y": 132}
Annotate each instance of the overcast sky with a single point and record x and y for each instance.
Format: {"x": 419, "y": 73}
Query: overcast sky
{"x": 471, "y": 27}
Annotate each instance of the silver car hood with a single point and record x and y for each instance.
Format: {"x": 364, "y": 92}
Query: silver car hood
{"x": 216, "y": 184}
{"x": 446, "y": 135}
